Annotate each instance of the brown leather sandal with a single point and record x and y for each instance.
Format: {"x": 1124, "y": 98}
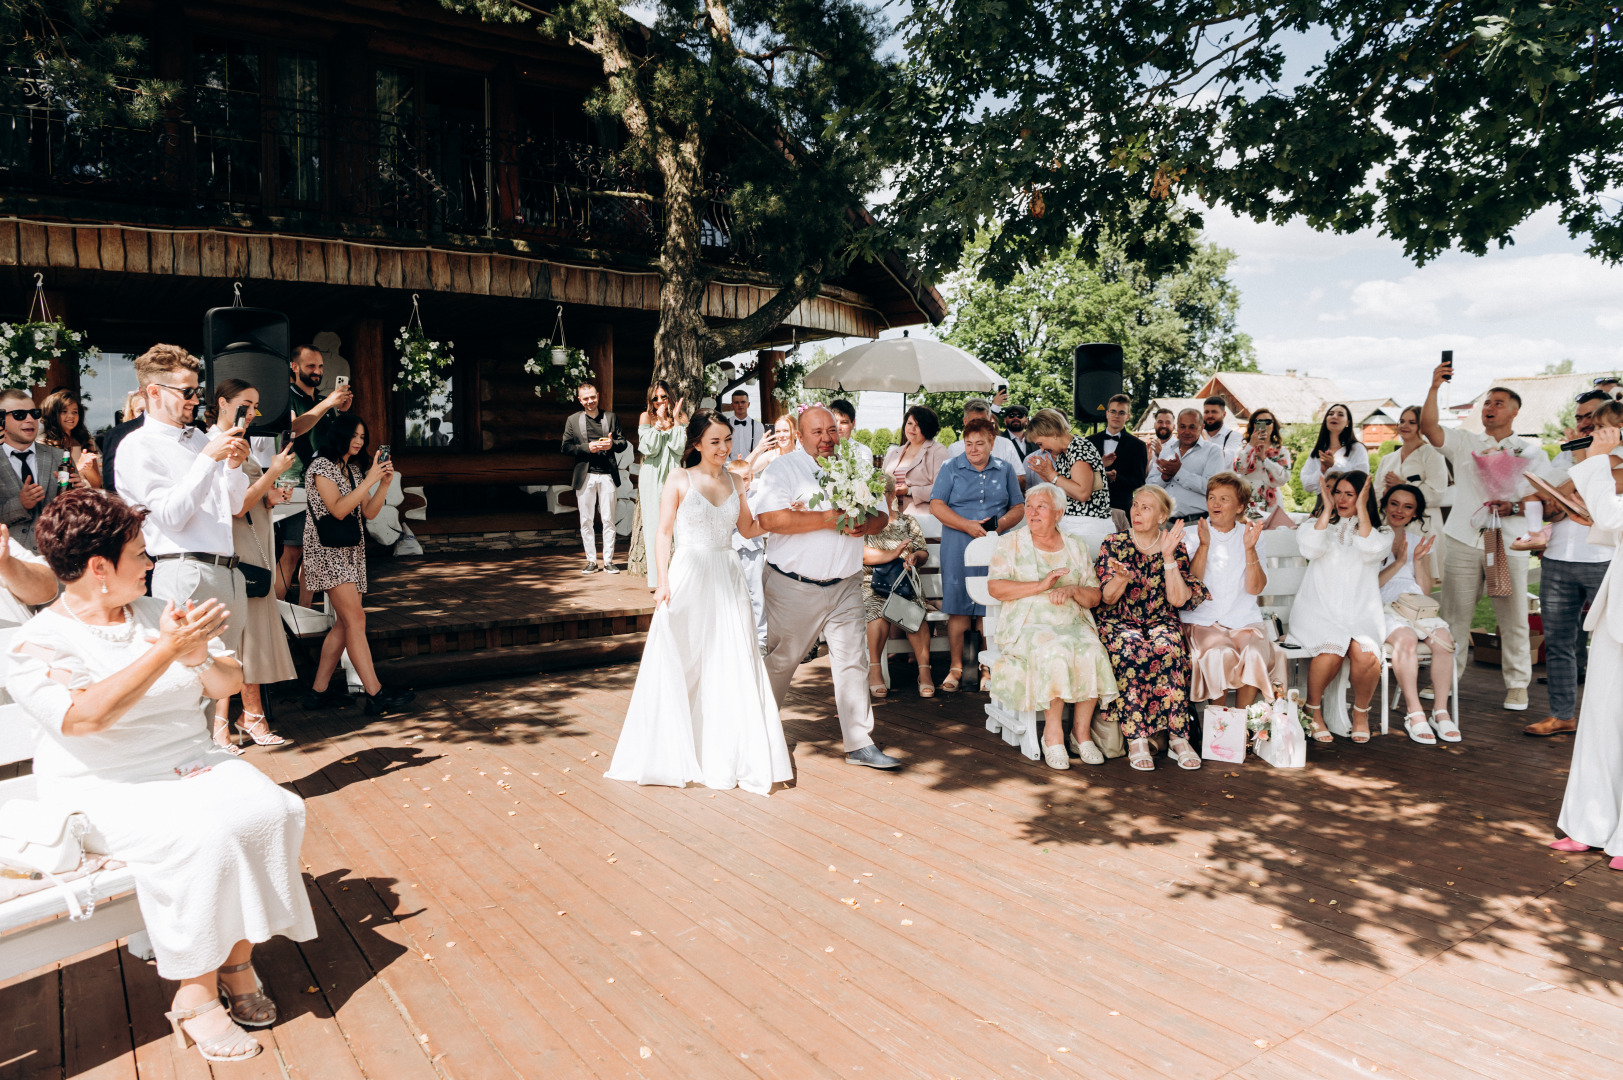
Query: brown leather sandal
{"x": 253, "y": 1009}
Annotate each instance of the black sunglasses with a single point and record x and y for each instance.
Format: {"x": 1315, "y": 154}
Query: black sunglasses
{"x": 1593, "y": 395}
{"x": 24, "y": 414}
{"x": 188, "y": 393}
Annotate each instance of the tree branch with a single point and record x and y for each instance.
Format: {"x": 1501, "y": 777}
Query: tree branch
{"x": 725, "y": 341}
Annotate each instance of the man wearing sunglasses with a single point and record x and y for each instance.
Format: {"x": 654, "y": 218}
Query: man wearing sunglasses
{"x": 30, "y": 483}
{"x": 191, "y": 485}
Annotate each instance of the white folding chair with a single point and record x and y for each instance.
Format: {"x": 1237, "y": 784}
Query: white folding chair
{"x": 1017, "y": 726}
{"x": 930, "y": 578}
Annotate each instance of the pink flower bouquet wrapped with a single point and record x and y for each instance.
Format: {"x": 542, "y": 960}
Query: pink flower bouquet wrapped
{"x": 1500, "y": 474}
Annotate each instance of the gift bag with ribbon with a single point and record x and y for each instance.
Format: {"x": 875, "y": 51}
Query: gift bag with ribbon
{"x": 1495, "y": 570}
{"x": 1283, "y": 743}
{"x": 1222, "y": 735}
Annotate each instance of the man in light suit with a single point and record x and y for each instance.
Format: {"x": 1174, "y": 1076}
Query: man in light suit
{"x": 31, "y": 481}
{"x": 1592, "y": 810}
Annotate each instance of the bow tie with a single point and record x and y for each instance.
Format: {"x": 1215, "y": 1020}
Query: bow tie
{"x": 741, "y": 423}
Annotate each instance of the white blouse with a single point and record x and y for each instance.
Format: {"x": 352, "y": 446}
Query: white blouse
{"x": 1354, "y": 459}
{"x": 1224, "y": 577}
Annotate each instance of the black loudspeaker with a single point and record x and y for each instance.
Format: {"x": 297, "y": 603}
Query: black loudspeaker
{"x": 1096, "y": 379}
{"x": 251, "y": 344}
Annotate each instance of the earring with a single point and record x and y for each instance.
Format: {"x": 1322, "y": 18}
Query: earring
{"x": 104, "y": 587}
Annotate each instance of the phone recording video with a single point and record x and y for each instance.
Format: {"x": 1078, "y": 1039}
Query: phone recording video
{"x": 383, "y": 453}
{"x": 242, "y": 416}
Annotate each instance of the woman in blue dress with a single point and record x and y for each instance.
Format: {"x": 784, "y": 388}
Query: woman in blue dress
{"x": 974, "y": 494}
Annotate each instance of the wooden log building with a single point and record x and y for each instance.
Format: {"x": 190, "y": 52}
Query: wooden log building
{"x": 336, "y": 158}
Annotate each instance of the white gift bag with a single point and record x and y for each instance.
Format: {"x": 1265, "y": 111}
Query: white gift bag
{"x": 1286, "y": 744}
{"x": 1222, "y": 734}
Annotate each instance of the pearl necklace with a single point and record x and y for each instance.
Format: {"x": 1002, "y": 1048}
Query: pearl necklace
{"x": 124, "y": 633}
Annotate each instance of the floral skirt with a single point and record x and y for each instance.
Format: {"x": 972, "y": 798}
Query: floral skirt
{"x": 1044, "y": 662}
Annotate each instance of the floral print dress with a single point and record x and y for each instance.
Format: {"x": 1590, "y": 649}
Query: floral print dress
{"x": 1081, "y": 452}
{"x": 1144, "y": 637}
{"x": 1265, "y": 471}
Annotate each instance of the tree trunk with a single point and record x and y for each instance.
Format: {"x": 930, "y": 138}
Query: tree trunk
{"x": 678, "y": 349}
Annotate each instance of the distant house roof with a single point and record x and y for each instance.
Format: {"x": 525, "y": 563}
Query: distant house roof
{"x": 1293, "y": 398}
{"x": 1146, "y": 422}
{"x": 1544, "y": 399}
{"x": 1364, "y": 412}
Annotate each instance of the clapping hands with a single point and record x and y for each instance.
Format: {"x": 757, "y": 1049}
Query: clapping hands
{"x": 187, "y": 631}
{"x": 1171, "y": 539}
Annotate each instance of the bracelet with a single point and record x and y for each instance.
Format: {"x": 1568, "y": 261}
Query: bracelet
{"x": 201, "y": 667}
{"x": 1168, "y": 564}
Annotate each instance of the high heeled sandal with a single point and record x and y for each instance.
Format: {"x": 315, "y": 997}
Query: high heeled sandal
{"x": 254, "y": 1009}
{"x": 233, "y": 1044}
{"x": 877, "y": 690}
{"x": 269, "y": 738}
{"x": 949, "y": 685}
{"x": 1321, "y": 734}
{"x": 1365, "y": 733}
{"x": 1420, "y": 731}
{"x": 926, "y": 689}
{"x": 1180, "y": 751}
{"x": 230, "y": 745}
{"x": 1139, "y": 756}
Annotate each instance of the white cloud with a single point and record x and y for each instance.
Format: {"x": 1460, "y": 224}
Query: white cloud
{"x": 1398, "y": 302}
{"x": 1559, "y": 285}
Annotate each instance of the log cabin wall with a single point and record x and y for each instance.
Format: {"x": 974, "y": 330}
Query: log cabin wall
{"x": 336, "y": 158}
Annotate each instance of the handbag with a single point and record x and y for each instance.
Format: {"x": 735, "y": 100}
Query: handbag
{"x": 256, "y": 580}
{"x": 904, "y": 611}
{"x": 46, "y": 841}
{"x": 1414, "y": 607}
{"x": 337, "y": 532}
{"x": 1494, "y": 567}
{"x": 890, "y": 576}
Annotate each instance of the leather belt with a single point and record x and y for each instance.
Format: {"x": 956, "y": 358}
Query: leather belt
{"x": 805, "y": 580}
{"x": 227, "y": 561}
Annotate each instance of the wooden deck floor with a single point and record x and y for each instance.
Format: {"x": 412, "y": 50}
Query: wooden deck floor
{"x": 491, "y": 906}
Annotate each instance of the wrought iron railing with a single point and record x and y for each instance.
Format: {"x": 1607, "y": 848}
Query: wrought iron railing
{"x": 225, "y": 157}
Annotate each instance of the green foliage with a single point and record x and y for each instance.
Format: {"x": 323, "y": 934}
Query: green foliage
{"x": 1174, "y": 330}
{"x": 62, "y": 51}
{"x": 1555, "y": 430}
{"x": 1444, "y": 124}
{"x": 1299, "y": 440}
{"x": 1558, "y": 367}
{"x": 878, "y": 440}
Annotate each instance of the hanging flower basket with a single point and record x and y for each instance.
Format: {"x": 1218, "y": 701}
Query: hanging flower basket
{"x": 425, "y": 364}
{"x": 27, "y": 348}
{"x": 554, "y": 380}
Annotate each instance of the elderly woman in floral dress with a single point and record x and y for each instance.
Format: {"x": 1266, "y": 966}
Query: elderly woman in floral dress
{"x": 1144, "y": 575}
{"x": 1049, "y": 653}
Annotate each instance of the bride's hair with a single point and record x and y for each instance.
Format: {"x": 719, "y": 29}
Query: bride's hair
{"x": 696, "y": 428}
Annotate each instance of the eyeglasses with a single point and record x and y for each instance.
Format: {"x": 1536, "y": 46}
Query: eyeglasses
{"x": 1593, "y": 395}
{"x": 188, "y": 393}
{"x": 24, "y": 414}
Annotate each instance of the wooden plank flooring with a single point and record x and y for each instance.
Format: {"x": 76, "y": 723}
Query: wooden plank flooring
{"x": 491, "y": 907}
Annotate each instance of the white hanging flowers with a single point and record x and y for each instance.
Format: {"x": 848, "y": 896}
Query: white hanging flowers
{"x": 558, "y": 369}
{"x": 425, "y": 364}
{"x": 27, "y": 348}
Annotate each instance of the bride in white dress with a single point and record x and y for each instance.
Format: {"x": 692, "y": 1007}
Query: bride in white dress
{"x": 702, "y": 710}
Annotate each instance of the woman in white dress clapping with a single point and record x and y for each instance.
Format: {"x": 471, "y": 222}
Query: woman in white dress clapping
{"x": 702, "y": 710}
{"x": 1337, "y": 615}
{"x": 1407, "y": 572}
{"x": 1337, "y": 450}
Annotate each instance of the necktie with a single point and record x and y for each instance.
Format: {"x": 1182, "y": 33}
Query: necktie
{"x": 28, "y": 474}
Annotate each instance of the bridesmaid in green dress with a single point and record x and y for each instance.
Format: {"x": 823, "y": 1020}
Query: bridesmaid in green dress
{"x": 661, "y": 438}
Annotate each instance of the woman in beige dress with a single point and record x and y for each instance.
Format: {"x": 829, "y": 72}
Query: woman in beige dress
{"x": 265, "y": 655}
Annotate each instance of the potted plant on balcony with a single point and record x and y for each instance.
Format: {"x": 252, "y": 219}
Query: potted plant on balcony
{"x": 27, "y": 348}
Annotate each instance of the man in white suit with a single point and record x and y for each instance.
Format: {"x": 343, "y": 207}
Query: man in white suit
{"x": 1592, "y": 811}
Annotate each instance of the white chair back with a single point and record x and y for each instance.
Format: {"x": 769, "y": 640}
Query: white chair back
{"x": 1092, "y": 530}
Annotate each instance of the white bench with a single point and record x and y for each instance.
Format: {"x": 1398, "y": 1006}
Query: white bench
{"x": 35, "y": 929}
{"x": 930, "y": 578}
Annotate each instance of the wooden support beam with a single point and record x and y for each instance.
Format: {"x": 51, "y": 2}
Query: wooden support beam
{"x": 369, "y": 378}
{"x": 766, "y": 374}
{"x": 600, "y": 350}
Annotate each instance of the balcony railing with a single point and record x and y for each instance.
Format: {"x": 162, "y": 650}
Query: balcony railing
{"x": 221, "y": 160}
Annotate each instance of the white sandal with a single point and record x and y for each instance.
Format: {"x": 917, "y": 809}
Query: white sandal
{"x": 1087, "y": 750}
{"x": 1180, "y": 751}
{"x": 1139, "y": 756}
{"x": 1420, "y": 731}
{"x": 1055, "y": 757}
{"x": 1362, "y": 737}
{"x": 1447, "y": 730}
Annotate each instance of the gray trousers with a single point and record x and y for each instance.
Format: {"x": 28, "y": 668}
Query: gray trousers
{"x": 181, "y": 580}
{"x": 1564, "y": 589}
{"x": 796, "y": 613}
{"x": 753, "y": 561}
{"x": 1464, "y": 582}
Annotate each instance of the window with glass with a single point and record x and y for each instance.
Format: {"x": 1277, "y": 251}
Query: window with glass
{"x": 226, "y": 111}
{"x": 430, "y": 418}
{"x": 298, "y": 127}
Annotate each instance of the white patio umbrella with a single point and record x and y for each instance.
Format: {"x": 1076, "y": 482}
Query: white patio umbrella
{"x": 905, "y": 365}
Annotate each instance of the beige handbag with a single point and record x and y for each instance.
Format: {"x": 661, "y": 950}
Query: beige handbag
{"x": 1414, "y": 607}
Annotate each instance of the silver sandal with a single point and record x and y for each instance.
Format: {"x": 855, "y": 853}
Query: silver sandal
{"x": 264, "y": 736}
{"x": 1184, "y": 755}
{"x": 254, "y": 1009}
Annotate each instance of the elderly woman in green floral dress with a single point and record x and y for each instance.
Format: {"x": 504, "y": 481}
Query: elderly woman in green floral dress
{"x": 901, "y": 539}
{"x": 1049, "y": 652}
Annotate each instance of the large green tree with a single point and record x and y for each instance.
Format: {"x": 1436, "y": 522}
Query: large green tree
{"x": 781, "y": 96}
{"x": 1175, "y": 328}
{"x": 60, "y": 53}
{"x": 1442, "y": 123}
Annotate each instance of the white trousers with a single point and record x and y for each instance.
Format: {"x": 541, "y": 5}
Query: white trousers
{"x": 1464, "y": 581}
{"x": 597, "y": 493}
{"x": 754, "y": 563}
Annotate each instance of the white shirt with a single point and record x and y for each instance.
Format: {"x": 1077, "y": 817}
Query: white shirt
{"x": 1458, "y": 445}
{"x": 30, "y": 455}
{"x": 1348, "y": 459}
{"x": 1404, "y": 581}
{"x": 822, "y": 555}
{"x": 747, "y": 435}
{"x": 13, "y": 610}
{"x": 191, "y": 498}
{"x": 1188, "y": 486}
{"x": 1226, "y": 440}
{"x": 1111, "y": 441}
{"x": 1230, "y": 605}
{"x": 1002, "y": 449}
{"x": 1569, "y": 541}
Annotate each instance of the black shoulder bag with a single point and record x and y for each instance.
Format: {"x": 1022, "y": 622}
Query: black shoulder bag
{"x": 337, "y": 532}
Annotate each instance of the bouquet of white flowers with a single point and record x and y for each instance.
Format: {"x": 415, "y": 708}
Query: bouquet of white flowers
{"x": 850, "y": 484}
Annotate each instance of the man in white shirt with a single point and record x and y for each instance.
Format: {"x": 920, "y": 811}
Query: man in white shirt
{"x": 1571, "y": 572}
{"x": 1464, "y": 561}
{"x": 813, "y": 584}
{"x": 26, "y": 581}
{"x": 1185, "y": 465}
{"x": 1216, "y": 431}
{"x": 747, "y": 431}
{"x": 192, "y": 486}
{"x": 31, "y": 483}
{"x": 1163, "y": 432}
{"x": 1002, "y": 448}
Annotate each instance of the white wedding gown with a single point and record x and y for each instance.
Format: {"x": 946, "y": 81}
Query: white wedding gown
{"x": 702, "y": 710}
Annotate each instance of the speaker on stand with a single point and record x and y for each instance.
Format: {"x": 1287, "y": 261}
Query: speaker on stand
{"x": 1096, "y": 378}
{"x": 251, "y": 344}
